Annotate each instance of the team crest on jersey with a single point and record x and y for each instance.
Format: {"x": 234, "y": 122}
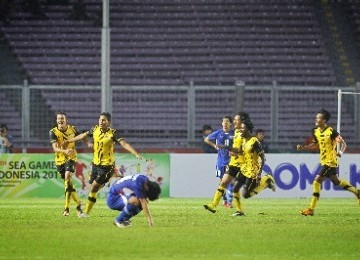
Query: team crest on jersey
{"x": 108, "y": 136}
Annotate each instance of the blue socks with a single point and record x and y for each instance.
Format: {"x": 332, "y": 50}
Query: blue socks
{"x": 128, "y": 211}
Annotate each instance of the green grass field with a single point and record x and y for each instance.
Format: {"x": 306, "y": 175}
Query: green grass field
{"x": 272, "y": 229}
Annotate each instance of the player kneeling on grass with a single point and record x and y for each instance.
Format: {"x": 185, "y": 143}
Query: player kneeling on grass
{"x": 131, "y": 203}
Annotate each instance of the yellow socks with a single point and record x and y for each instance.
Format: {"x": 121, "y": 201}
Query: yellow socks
{"x": 317, "y": 187}
{"x": 75, "y": 197}
{"x": 237, "y": 201}
{"x": 91, "y": 201}
{"x": 316, "y": 194}
{"x": 347, "y": 186}
{"x": 67, "y": 193}
{"x": 263, "y": 184}
{"x": 218, "y": 195}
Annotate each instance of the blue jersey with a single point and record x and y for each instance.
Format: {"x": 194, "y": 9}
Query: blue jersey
{"x": 220, "y": 137}
{"x": 134, "y": 183}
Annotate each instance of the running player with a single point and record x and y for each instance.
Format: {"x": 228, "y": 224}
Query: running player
{"x": 130, "y": 195}
{"x": 221, "y": 140}
{"x": 65, "y": 158}
{"x": 249, "y": 176}
{"x": 233, "y": 168}
{"x": 327, "y": 138}
{"x": 103, "y": 162}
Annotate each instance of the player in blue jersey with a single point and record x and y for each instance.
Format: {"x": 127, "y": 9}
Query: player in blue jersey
{"x": 222, "y": 140}
{"x": 130, "y": 195}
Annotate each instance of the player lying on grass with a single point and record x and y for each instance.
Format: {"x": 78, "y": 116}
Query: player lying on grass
{"x": 327, "y": 138}
{"x": 130, "y": 195}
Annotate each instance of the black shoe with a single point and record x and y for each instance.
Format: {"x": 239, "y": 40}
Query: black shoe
{"x": 79, "y": 210}
{"x": 238, "y": 214}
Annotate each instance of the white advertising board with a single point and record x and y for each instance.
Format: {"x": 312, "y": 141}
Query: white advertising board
{"x": 193, "y": 175}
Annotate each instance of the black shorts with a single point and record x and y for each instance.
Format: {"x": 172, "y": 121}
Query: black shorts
{"x": 327, "y": 171}
{"x": 101, "y": 173}
{"x": 233, "y": 171}
{"x": 248, "y": 184}
{"x": 68, "y": 166}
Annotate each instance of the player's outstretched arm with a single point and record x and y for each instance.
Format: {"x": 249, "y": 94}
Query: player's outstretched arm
{"x": 77, "y": 138}
{"x": 130, "y": 149}
{"x": 87, "y": 142}
{"x": 145, "y": 207}
{"x": 308, "y": 147}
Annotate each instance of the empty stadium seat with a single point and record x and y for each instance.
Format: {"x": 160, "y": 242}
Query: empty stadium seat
{"x": 180, "y": 34}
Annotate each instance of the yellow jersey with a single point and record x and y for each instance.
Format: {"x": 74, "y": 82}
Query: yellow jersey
{"x": 252, "y": 151}
{"x": 104, "y": 145}
{"x": 237, "y": 160}
{"x": 59, "y": 136}
{"x": 327, "y": 145}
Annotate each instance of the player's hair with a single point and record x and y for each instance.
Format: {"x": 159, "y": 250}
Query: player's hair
{"x": 154, "y": 190}
{"x": 206, "y": 127}
{"x": 60, "y": 113}
{"x": 3, "y": 126}
{"x": 107, "y": 115}
{"x": 249, "y": 125}
{"x": 228, "y": 117}
{"x": 326, "y": 114}
{"x": 259, "y": 131}
{"x": 243, "y": 116}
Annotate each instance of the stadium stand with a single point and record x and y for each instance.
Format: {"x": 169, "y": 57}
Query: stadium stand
{"x": 10, "y": 116}
{"x": 354, "y": 14}
{"x": 170, "y": 43}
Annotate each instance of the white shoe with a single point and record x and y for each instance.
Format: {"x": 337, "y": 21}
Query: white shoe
{"x": 122, "y": 224}
{"x": 66, "y": 212}
{"x": 271, "y": 182}
{"x": 83, "y": 215}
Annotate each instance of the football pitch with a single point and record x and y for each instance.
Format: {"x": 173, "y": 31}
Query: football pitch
{"x": 271, "y": 229}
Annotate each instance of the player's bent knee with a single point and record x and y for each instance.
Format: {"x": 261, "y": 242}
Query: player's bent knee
{"x": 335, "y": 182}
{"x": 134, "y": 200}
{"x": 246, "y": 195}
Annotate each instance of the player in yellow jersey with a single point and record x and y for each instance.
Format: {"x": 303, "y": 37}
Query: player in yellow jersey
{"x": 233, "y": 169}
{"x": 65, "y": 158}
{"x": 327, "y": 138}
{"x": 103, "y": 163}
{"x": 251, "y": 168}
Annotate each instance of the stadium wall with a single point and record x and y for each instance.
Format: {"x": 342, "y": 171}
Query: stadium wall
{"x": 180, "y": 175}
{"x": 194, "y": 175}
